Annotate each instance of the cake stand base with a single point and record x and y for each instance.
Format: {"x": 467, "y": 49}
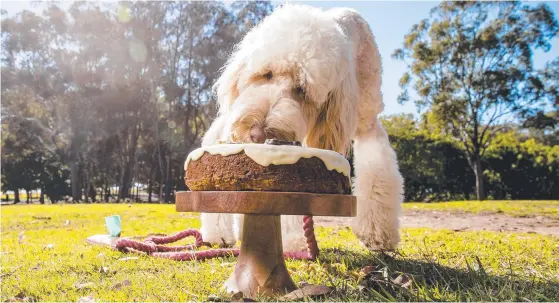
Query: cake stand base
{"x": 260, "y": 267}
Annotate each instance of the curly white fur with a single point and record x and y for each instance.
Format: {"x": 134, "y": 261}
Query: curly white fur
{"x": 313, "y": 76}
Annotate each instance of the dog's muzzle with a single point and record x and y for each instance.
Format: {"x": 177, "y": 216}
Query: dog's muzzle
{"x": 257, "y": 134}
{"x": 260, "y": 135}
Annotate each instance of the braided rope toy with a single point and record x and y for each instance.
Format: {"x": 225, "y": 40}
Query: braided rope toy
{"x": 152, "y": 246}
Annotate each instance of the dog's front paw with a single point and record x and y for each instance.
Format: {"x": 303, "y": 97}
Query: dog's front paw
{"x": 217, "y": 229}
{"x": 211, "y": 238}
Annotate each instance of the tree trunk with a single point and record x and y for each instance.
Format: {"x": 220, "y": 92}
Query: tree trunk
{"x": 86, "y": 190}
{"x": 16, "y": 196}
{"x": 28, "y": 196}
{"x": 107, "y": 194}
{"x": 92, "y": 193}
{"x": 126, "y": 182}
{"x": 160, "y": 161}
{"x": 168, "y": 179}
{"x": 478, "y": 171}
{"x": 42, "y": 197}
{"x": 161, "y": 182}
{"x": 149, "y": 190}
{"x": 75, "y": 180}
{"x": 86, "y": 185}
{"x": 123, "y": 180}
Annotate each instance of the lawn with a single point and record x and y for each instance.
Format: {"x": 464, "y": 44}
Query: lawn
{"x": 528, "y": 208}
{"x": 53, "y": 263}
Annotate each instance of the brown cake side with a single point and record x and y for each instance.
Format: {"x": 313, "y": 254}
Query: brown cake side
{"x": 238, "y": 172}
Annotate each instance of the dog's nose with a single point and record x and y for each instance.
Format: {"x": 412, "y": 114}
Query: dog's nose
{"x": 257, "y": 135}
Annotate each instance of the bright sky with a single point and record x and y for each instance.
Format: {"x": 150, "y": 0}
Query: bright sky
{"x": 390, "y": 21}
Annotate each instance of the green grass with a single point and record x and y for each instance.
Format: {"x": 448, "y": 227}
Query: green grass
{"x": 517, "y": 208}
{"x": 444, "y": 265}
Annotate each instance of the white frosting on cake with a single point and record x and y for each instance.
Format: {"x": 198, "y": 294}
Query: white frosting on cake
{"x": 266, "y": 154}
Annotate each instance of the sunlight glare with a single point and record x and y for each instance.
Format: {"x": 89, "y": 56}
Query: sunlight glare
{"x": 123, "y": 14}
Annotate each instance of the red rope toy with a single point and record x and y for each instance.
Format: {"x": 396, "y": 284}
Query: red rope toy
{"x": 152, "y": 246}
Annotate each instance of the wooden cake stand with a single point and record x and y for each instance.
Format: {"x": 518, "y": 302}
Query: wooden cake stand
{"x": 260, "y": 268}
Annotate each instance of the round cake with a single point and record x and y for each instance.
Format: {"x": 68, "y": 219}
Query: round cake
{"x": 267, "y": 167}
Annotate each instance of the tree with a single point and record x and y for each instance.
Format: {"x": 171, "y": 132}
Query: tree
{"x": 522, "y": 168}
{"x": 544, "y": 123}
{"x": 432, "y": 165}
{"x": 111, "y": 94}
{"x": 472, "y": 66}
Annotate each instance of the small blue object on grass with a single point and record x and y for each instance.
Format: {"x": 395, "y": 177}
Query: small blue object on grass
{"x": 113, "y": 225}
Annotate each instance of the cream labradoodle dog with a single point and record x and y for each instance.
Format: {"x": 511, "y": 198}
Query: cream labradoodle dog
{"x": 313, "y": 76}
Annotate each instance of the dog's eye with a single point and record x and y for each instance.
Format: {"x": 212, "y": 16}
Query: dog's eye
{"x": 299, "y": 91}
{"x": 268, "y": 75}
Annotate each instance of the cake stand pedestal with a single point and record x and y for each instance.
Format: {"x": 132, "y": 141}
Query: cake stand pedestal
{"x": 260, "y": 267}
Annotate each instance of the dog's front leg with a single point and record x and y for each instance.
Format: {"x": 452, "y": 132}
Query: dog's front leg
{"x": 378, "y": 186}
{"x": 217, "y": 228}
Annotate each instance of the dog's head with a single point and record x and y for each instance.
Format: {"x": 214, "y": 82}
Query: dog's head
{"x": 291, "y": 78}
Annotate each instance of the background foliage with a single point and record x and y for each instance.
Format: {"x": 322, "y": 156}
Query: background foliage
{"x": 471, "y": 65}
{"x": 104, "y": 101}
{"x": 518, "y": 165}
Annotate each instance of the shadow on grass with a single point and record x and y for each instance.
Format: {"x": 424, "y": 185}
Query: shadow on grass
{"x": 393, "y": 277}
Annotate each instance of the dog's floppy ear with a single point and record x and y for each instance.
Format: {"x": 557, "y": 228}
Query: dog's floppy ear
{"x": 336, "y": 119}
{"x": 225, "y": 88}
{"x": 368, "y": 65}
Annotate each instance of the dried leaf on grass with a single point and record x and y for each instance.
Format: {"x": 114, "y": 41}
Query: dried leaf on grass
{"x": 374, "y": 277}
{"x": 20, "y": 237}
{"x": 306, "y": 291}
{"x": 403, "y": 280}
{"x": 214, "y": 298}
{"x": 88, "y": 299}
{"x": 239, "y": 297}
{"x": 11, "y": 272}
{"x": 121, "y": 285}
{"x": 225, "y": 264}
{"x": 367, "y": 269}
{"x": 41, "y": 218}
{"x": 128, "y": 258}
{"x": 374, "y": 273}
{"x": 20, "y": 297}
{"x": 85, "y": 285}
